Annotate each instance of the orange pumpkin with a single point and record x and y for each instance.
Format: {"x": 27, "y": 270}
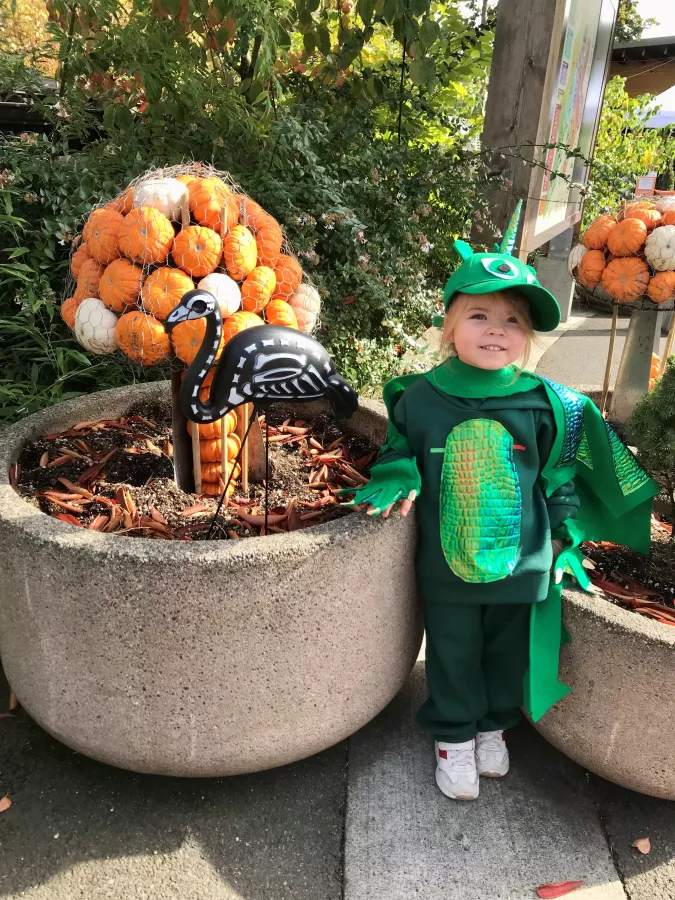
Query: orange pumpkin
{"x": 163, "y": 290}
{"x": 256, "y": 290}
{"x": 647, "y": 214}
{"x": 210, "y": 430}
{"x": 68, "y": 310}
{"x": 146, "y": 235}
{"x": 121, "y": 285}
{"x": 627, "y": 238}
{"x": 81, "y": 255}
{"x": 591, "y": 267}
{"x": 124, "y": 203}
{"x": 142, "y": 338}
{"x": 238, "y": 322}
{"x": 215, "y": 490}
{"x": 626, "y": 279}
{"x": 212, "y": 471}
{"x": 102, "y": 231}
{"x": 89, "y": 279}
{"x": 278, "y": 312}
{"x": 240, "y": 253}
{"x": 268, "y": 241}
{"x": 251, "y": 214}
{"x": 668, "y": 217}
{"x": 662, "y": 287}
{"x": 289, "y": 275}
{"x": 197, "y": 250}
{"x": 211, "y": 451}
{"x": 595, "y": 236}
{"x": 187, "y": 337}
{"x": 208, "y": 201}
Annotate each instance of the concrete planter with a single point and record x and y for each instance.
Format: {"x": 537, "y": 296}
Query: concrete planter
{"x": 201, "y": 659}
{"x": 619, "y": 720}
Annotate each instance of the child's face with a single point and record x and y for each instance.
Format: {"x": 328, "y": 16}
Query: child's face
{"x": 489, "y": 333}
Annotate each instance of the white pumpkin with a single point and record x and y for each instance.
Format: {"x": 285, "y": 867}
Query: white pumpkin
{"x": 306, "y": 303}
{"x": 168, "y": 195}
{"x": 660, "y": 248}
{"x": 574, "y": 258}
{"x": 226, "y": 291}
{"x": 95, "y": 326}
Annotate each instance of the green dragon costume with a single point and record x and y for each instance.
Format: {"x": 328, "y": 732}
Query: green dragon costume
{"x": 500, "y": 462}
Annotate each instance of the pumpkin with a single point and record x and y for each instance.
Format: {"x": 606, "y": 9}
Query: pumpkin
{"x": 268, "y": 241}
{"x": 240, "y": 252}
{"x": 627, "y": 238}
{"x": 662, "y": 287}
{"x": 212, "y": 471}
{"x": 142, "y": 338}
{"x": 68, "y": 310}
{"x": 660, "y": 248}
{"x": 146, "y": 236}
{"x": 208, "y": 202}
{"x": 89, "y": 279}
{"x": 647, "y": 214}
{"x": 289, "y": 275}
{"x": 591, "y": 267}
{"x": 211, "y": 451}
{"x": 668, "y": 217}
{"x": 251, "y": 214}
{"x": 120, "y": 285}
{"x": 197, "y": 250}
{"x": 626, "y": 279}
{"x": 210, "y": 430}
{"x": 278, "y": 312}
{"x": 124, "y": 203}
{"x": 595, "y": 236}
{"x": 168, "y": 195}
{"x": 163, "y": 291}
{"x": 81, "y": 255}
{"x": 256, "y": 290}
{"x": 95, "y": 326}
{"x": 225, "y": 290}
{"x": 574, "y": 259}
{"x": 187, "y": 337}
{"x": 238, "y": 322}
{"x": 215, "y": 490}
{"x": 102, "y": 230}
{"x": 306, "y": 304}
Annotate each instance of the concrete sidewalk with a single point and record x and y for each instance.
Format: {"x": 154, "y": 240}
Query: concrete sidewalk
{"x": 361, "y": 821}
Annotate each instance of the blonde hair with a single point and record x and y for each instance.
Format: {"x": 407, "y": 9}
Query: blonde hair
{"x": 461, "y": 302}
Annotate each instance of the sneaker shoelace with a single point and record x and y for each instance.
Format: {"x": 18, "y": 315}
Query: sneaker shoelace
{"x": 463, "y": 758}
{"x": 492, "y": 743}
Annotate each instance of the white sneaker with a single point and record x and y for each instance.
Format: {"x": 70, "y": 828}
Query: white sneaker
{"x": 492, "y": 755}
{"x": 456, "y": 774}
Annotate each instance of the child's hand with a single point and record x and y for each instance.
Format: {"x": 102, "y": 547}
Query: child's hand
{"x": 557, "y": 547}
{"x": 406, "y": 506}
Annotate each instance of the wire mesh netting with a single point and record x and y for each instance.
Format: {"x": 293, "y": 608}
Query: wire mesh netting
{"x": 172, "y": 230}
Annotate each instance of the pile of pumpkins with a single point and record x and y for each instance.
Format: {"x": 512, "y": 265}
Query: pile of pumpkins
{"x": 626, "y": 256}
{"x": 171, "y": 231}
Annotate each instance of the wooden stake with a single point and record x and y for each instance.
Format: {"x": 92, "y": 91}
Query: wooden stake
{"x": 610, "y": 355}
{"x": 196, "y": 458}
{"x": 185, "y": 209}
{"x": 223, "y": 454}
{"x": 244, "y": 414}
{"x": 223, "y": 218}
{"x": 13, "y": 702}
{"x": 668, "y": 349}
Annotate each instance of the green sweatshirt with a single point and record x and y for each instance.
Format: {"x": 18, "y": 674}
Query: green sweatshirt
{"x": 485, "y": 523}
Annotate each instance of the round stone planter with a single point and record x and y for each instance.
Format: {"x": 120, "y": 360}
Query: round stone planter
{"x": 201, "y": 659}
{"x": 619, "y": 720}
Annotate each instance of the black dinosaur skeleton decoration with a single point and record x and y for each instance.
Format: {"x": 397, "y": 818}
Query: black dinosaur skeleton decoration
{"x": 265, "y": 364}
{"x": 262, "y": 365}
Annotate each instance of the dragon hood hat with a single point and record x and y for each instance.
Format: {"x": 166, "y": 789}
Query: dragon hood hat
{"x": 486, "y": 273}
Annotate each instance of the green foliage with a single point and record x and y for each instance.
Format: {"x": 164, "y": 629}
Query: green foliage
{"x": 652, "y": 430}
{"x": 629, "y": 23}
{"x": 624, "y": 149}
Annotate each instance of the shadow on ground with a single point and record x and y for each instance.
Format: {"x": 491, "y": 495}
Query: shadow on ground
{"x": 81, "y": 829}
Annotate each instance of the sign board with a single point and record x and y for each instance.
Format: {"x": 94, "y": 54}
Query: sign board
{"x": 570, "y": 110}
{"x": 645, "y": 185}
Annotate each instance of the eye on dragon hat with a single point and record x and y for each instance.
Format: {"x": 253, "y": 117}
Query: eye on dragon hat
{"x": 485, "y": 273}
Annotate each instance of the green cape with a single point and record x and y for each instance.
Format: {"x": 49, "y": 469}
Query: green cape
{"x": 615, "y": 498}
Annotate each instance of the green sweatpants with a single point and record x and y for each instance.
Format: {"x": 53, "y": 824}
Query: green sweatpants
{"x": 476, "y": 658}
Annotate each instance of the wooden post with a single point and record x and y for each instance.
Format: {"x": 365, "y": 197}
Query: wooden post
{"x": 223, "y": 454}
{"x": 610, "y": 355}
{"x": 182, "y": 447}
{"x": 668, "y": 349}
{"x": 185, "y": 209}
{"x": 245, "y": 416}
{"x": 196, "y": 459}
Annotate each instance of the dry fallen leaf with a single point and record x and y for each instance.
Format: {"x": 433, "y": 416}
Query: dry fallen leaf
{"x": 558, "y": 889}
{"x": 5, "y": 803}
{"x": 642, "y": 844}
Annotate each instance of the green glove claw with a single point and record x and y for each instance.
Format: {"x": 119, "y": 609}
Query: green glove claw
{"x": 389, "y": 482}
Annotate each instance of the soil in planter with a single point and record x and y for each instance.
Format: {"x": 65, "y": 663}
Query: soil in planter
{"x": 117, "y": 477}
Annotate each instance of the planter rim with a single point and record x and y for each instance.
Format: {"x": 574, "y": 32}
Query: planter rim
{"x": 620, "y": 619}
{"x": 36, "y": 525}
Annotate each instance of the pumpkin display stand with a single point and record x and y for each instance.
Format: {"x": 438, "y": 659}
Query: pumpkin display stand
{"x": 201, "y": 658}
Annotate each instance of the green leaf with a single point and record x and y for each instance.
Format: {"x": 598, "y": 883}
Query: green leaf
{"x": 423, "y": 72}
{"x": 419, "y": 7}
{"x": 19, "y": 252}
{"x": 312, "y": 5}
{"x": 365, "y": 9}
{"x": 323, "y": 39}
{"x": 429, "y": 33}
{"x": 309, "y": 42}
{"x": 172, "y": 7}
